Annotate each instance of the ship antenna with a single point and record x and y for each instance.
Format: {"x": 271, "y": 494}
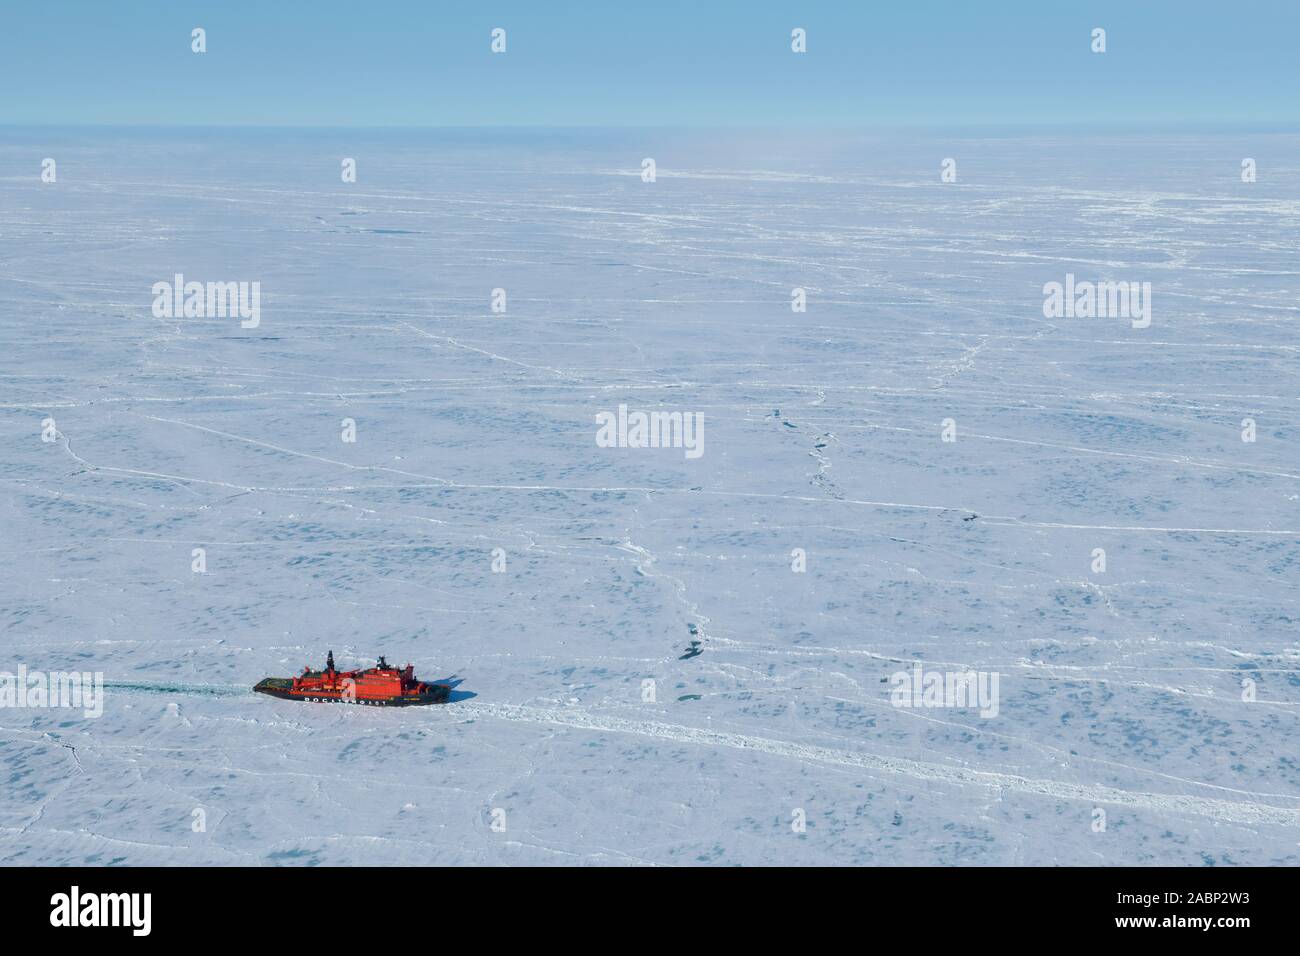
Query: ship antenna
{"x": 329, "y": 661}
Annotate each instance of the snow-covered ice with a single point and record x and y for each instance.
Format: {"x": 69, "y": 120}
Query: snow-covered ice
{"x": 1120, "y": 690}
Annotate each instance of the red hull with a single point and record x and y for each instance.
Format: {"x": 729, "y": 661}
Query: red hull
{"x": 380, "y": 686}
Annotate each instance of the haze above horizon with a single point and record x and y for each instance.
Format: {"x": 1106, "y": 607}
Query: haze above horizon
{"x": 406, "y": 64}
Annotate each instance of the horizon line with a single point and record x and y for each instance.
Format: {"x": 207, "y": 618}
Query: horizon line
{"x": 1271, "y": 126}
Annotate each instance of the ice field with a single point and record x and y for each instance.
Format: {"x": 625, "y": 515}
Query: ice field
{"x": 1147, "y": 713}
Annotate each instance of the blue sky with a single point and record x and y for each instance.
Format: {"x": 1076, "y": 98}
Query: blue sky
{"x": 396, "y": 63}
